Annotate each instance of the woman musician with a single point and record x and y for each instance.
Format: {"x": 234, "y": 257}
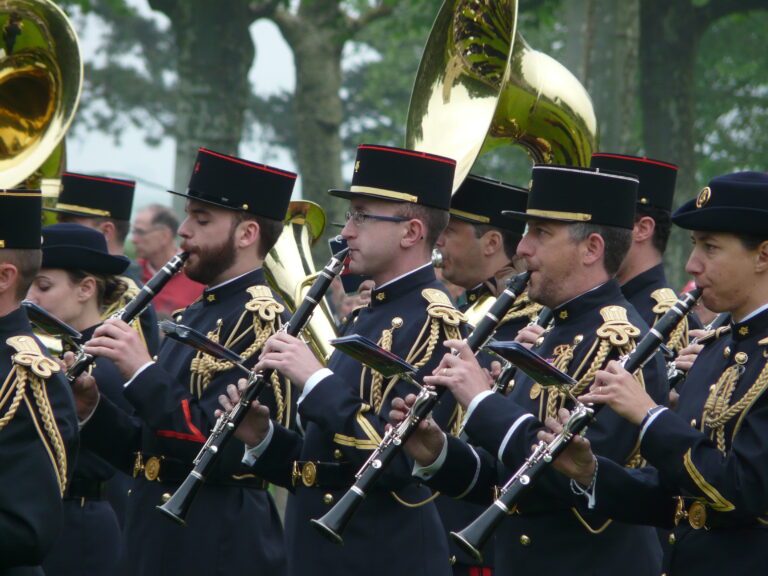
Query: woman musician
{"x": 78, "y": 279}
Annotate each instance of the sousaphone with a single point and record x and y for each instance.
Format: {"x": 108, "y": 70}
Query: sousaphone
{"x": 480, "y": 86}
{"x": 41, "y": 77}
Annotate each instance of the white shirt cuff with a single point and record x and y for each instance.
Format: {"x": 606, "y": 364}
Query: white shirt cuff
{"x": 650, "y": 420}
{"x": 426, "y": 472}
{"x": 139, "y": 371}
{"x": 252, "y": 453}
{"x": 313, "y": 381}
{"x": 510, "y": 432}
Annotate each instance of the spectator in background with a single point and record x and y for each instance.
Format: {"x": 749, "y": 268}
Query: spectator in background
{"x": 154, "y": 238}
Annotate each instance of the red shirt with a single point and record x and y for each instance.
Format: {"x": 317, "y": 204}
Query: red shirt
{"x": 179, "y": 293}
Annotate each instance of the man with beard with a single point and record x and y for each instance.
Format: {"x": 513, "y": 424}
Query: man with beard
{"x": 579, "y": 229}
{"x": 235, "y": 210}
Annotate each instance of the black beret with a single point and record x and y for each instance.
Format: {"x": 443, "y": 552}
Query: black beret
{"x": 575, "y": 194}
{"x": 20, "y": 219}
{"x": 75, "y": 247}
{"x": 735, "y": 203}
{"x": 481, "y": 200}
{"x": 401, "y": 175}
{"x": 657, "y": 178}
{"x": 240, "y": 185}
{"x": 95, "y": 196}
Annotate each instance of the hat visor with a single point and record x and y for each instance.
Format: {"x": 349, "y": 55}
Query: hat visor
{"x": 525, "y": 216}
{"x": 717, "y": 219}
{"x": 80, "y": 258}
{"x": 349, "y": 195}
{"x": 207, "y": 201}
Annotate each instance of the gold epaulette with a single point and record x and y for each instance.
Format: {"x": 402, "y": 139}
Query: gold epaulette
{"x": 263, "y": 303}
{"x": 617, "y": 328}
{"x": 31, "y": 368}
{"x": 441, "y": 308}
{"x": 664, "y": 298}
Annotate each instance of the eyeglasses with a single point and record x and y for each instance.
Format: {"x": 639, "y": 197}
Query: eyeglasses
{"x": 359, "y": 218}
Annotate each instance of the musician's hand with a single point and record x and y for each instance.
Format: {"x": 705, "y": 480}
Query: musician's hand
{"x": 619, "y": 389}
{"x": 116, "y": 340}
{"x": 84, "y": 389}
{"x": 289, "y": 356}
{"x": 495, "y": 370}
{"x": 529, "y": 334}
{"x": 255, "y": 425}
{"x": 364, "y": 292}
{"x": 687, "y": 356}
{"x": 461, "y": 373}
{"x": 426, "y": 442}
{"x": 577, "y": 461}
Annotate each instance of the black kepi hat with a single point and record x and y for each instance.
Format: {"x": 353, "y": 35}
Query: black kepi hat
{"x": 95, "y": 196}
{"x": 657, "y": 178}
{"x": 401, "y": 175}
{"x": 735, "y": 203}
{"x": 575, "y": 194}
{"x": 76, "y": 247}
{"x": 240, "y": 185}
{"x": 20, "y": 219}
{"x": 481, "y": 200}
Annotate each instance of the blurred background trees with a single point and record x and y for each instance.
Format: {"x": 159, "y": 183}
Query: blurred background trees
{"x": 678, "y": 80}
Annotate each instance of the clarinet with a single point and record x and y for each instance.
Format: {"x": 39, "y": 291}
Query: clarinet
{"x": 472, "y": 538}
{"x": 333, "y": 523}
{"x": 177, "y": 506}
{"x": 133, "y": 308}
{"x": 674, "y": 374}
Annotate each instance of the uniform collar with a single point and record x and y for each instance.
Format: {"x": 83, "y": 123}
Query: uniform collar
{"x": 403, "y": 285}
{"x": 586, "y": 303}
{"x": 474, "y": 294}
{"x": 15, "y": 322}
{"x": 654, "y": 276}
{"x": 232, "y": 287}
{"x": 756, "y": 324}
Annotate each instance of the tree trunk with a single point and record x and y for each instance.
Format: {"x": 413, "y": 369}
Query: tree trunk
{"x": 667, "y": 58}
{"x": 215, "y": 52}
{"x": 315, "y": 39}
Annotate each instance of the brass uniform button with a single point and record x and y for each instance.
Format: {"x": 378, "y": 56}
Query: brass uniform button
{"x": 309, "y": 474}
{"x": 693, "y": 423}
{"x": 328, "y": 499}
{"x": 697, "y": 515}
{"x": 337, "y": 454}
{"x": 165, "y": 497}
{"x": 535, "y": 391}
{"x": 452, "y": 560}
{"x": 741, "y": 358}
{"x": 525, "y": 540}
{"x": 397, "y": 322}
{"x": 672, "y": 539}
{"x": 152, "y": 469}
{"x": 726, "y": 352}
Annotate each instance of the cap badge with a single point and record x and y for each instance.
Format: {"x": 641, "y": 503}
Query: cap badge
{"x": 703, "y": 197}
{"x": 357, "y": 166}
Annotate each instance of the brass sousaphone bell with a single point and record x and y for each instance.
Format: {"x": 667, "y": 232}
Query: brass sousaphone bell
{"x": 41, "y": 77}
{"x": 480, "y": 86}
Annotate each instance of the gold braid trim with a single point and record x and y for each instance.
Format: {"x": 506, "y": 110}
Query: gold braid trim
{"x": 717, "y": 409}
{"x": 665, "y": 298}
{"x": 263, "y": 311}
{"x": 523, "y": 308}
{"x": 131, "y": 290}
{"x": 377, "y": 378}
{"x": 32, "y": 368}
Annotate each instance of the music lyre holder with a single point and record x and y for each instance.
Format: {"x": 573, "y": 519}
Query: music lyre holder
{"x": 201, "y": 343}
{"x": 51, "y": 325}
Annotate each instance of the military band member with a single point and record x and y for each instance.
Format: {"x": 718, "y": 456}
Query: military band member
{"x": 77, "y": 278}
{"x": 641, "y": 274}
{"x": 398, "y": 205}
{"x": 478, "y": 253}
{"x": 38, "y": 427}
{"x": 235, "y": 211}
{"x": 709, "y": 461}
{"x": 105, "y": 204}
{"x": 579, "y": 228}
